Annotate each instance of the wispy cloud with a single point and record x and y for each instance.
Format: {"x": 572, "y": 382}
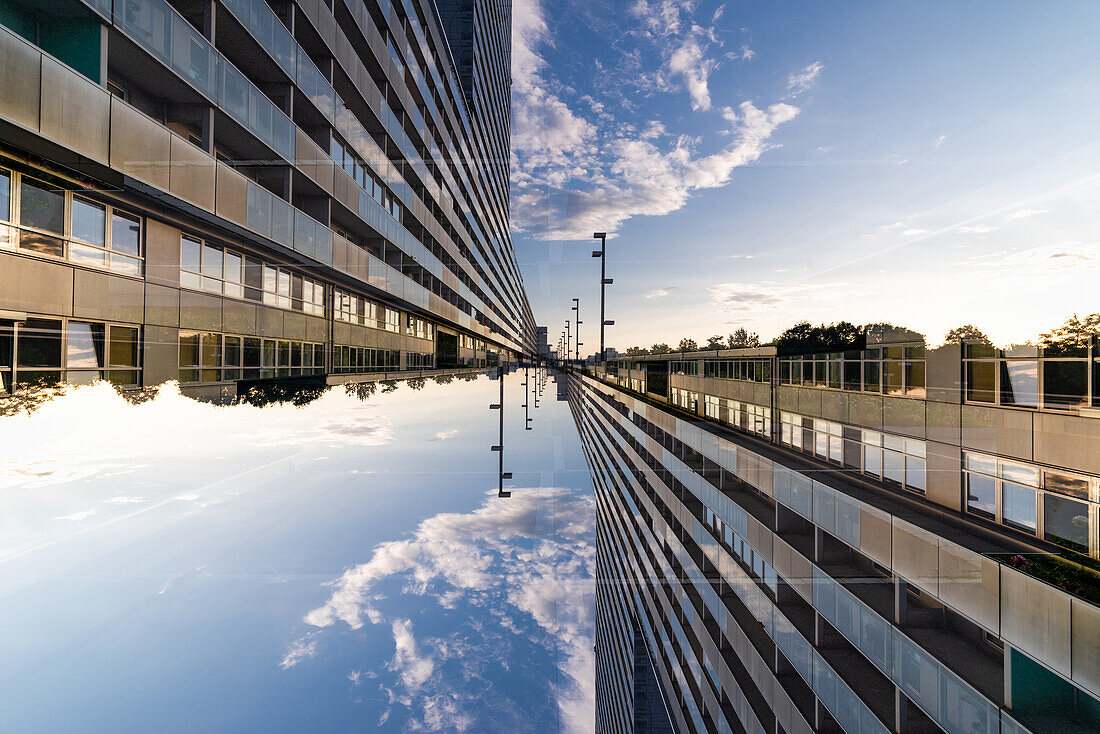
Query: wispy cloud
{"x": 1025, "y": 213}
{"x": 76, "y": 516}
{"x": 300, "y": 650}
{"x": 976, "y": 229}
{"x": 658, "y": 293}
{"x": 801, "y": 81}
{"x": 444, "y": 435}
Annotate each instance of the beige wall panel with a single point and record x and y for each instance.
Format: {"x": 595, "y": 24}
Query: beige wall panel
{"x": 192, "y": 177}
{"x": 916, "y": 556}
{"x": 1035, "y": 617}
{"x": 904, "y": 416}
{"x": 160, "y": 355}
{"x": 865, "y": 410}
{"x": 875, "y": 535}
{"x": 108, "y": 297}
{"x": 1068, "y": 440}
{"x": 269, "y": 322}
{"x": 139, "y": 146}
{"x": 943, "y": 474}
{"x": 75, "y": 112}
{"x": 294, "y": 326}
{"x": 834, "y": 406}
{"x": 200, "y": 311}
{"x": 341, "y": 333}
{"x": 787, "y": 398}
{"x": 231, "y": 198}
{"x": 944, "y": 422}
{"x": 809, "y": 401}
{"x": 239, "y": 317}
{"x": 1086, "y": 644}
{"x": 316, "y": 330}
{"x": 20, "y": 80}
{"x": 36, "y": 286}
{"x": 162, "y": 253}
{"x": 997, "y": 430}
{"x": 339, "y": 253}
{"x": 162, "y": 305}
{"x": 970, "y": 583}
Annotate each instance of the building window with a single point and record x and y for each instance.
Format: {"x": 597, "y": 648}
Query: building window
{"x": 1055, "y": 378}
{"x": 893, "y": 370}
{"x": 207, "y": 357}
{"x": 393, "y": 320}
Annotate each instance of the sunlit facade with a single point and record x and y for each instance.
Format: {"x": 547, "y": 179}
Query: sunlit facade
{"x": 891, "y": 539}
{"x": 242, "y": 189}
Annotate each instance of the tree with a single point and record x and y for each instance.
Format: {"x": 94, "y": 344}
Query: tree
{"x": 660, "y": 349}
{"x": 688, "y": 345}
{"x": 964, "y": 333}
{"x": 803, "y": 336}
{"x": 1074, "y": 334}
{"x": 741, "y": 339}
{"x": 716, "y": 342}
{"x": 636, "y": 351}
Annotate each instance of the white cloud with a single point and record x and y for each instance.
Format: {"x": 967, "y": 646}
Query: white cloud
{"x": 413, "y": 667}
{"x": 913, "y": 232}
{"x": 444, "y": 435}
{"x": 658, "y": 293}
{"x": 1025, "y": 213}
{"x": 300, "y": 650}
{"x": 766, "y": 296}
{"x": 1065, "y": 256}
{"x": 76, "y": 516}
{"x": 123, "y": 500}
{"x": 801, "y": 81}
{"x": 939, "y": 141}
{"x": 976, "y": 229}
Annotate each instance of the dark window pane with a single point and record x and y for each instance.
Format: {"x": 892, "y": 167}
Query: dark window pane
{"x": 871, "y": 376}
{"x": 39, "y": 379}
{"x": 89, "y": 222}
{"x": 252, "y": 349}
{"x": 914, "y": 378}
{"x": 125, "y": 233}
{"x": 980, "y": 385}
{"x": 1066, "y": 522}
{"x": 189, "y": 350}
{"x": 7, "y": 343}
{"x": 123, "y": 378}
{"x": 40, "y": 344}
{"x": 1064, "y": 484}
{"x": 1020, "y": 383}
{"x": 232, "y": 351}
{"x": 894, "y": 377}
{"x": 42, "y": 244}
{"x": 85, "y": 345}
{"x": 1065, "y": 384}
{"x": 981, "y": 495}
{"x": 124, "y": 346}
{"x": 41, "y": 206}
{"x": 852, "y": 375}
{"x": 211, "y": 354}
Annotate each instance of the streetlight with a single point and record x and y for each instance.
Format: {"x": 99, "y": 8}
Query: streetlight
{"x": 604, "y": 281}
{"x": 568, "y": 340}
{"x": 577, "y": 309}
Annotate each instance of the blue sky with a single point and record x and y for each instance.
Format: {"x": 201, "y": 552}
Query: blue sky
{"x": 928, "y": 164}
{"x": 342, "y": 566}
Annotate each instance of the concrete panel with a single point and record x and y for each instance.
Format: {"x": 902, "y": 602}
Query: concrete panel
{"x": 875, "y": 535}
{"x": 162, "y": 305}
{"x": 787, "y": 398}
{"x": 108, "y": 297}
{"x": 162, "y": 253}
{"x": 1067, "y": 440}
{"x": 316, "y": 329}
{"x": 239, "y": 317}
{"x": 139, "y": 146}
{"x": 970, "y": 583}
{"x": 903, "y": 416}
{"x": 339, "y": 253}
{"x": 231, "y": 198}
{"x": 1035, "y": 618}
{"x": 341, "y": 333}
{"x": 1085, "y": 644}
{"x": 294, "y": 326}
{"x": 916, "y": 556}
{"x": 943, "y": 374}
{"x": 809, "y": 401}
{"x": 20, "y": 80}
{"x": 35, "y": 286}
{"x": 160, "y": 355}
{"x": 200, "y": 311}
{"x": 1002, "y": 431}
{"x": 865, "y": 410}
{"x": 75, "y": 112}
{"x": 193, "y": 173}
{"x": 269, "y": 322}
{"x": 943, "y": 473}
{"x": 834, "y": 406}
{"x": 944, "y": 422}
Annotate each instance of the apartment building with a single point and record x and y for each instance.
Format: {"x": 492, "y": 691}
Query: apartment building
{"x": 894, "y": 539}
{"x": 218, "y": 190}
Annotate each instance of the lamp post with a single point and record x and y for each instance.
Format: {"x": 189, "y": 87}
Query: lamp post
{"x": 577, "y": 310}
{"x": 568, "y": 340}
{"x": 604, "y": 281}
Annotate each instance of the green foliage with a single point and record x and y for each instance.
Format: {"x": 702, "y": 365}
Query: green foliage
{"x": 1071, "y": 337}
{"x": 742, "y": 338}
{"x": 804, "y": 336}
{"x": 716, "y": 342}
{"x": 966, "y": 332}
{"x": 660, "y": 349}
{"x": 688, "y": 345}
{"x": 636, "y": 351}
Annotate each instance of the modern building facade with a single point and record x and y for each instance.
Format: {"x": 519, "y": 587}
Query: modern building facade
{"x": 218, "y": 190}
{"x": 895, "y": 539}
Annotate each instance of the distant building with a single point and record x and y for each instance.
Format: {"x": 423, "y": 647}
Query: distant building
{"x": 543, "y": 343}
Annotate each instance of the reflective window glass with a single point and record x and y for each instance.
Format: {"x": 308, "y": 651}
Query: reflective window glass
{"x": 125, "y": 233}
{"x": 41, "y": 206}
{"x": 84, "y": 346}
{"x": 981, "y": 382}
{"x": 189, "y": 349}
{"x": 1020, "y": 383}
{"x": 1065, "y": 384}
{"x": 914, "y": 473}
{"x": 1065, "y": 484}
{"x": 212, "y": 262}
{"x": 893, "y": 466}
{"x": 39, "y": 343}
{"x": 124, "y": 346}
{"x": 190, "y": 254}
{"x": 1018, "y": 506}
{"x": 1066, "y": 522}
{"x": 89, "y": 222}
{"x": 981, "y": 495}
{"x": 5, "y": 196}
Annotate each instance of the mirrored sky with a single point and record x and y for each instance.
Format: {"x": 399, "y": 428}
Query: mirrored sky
{"x": 176, "y": 566}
